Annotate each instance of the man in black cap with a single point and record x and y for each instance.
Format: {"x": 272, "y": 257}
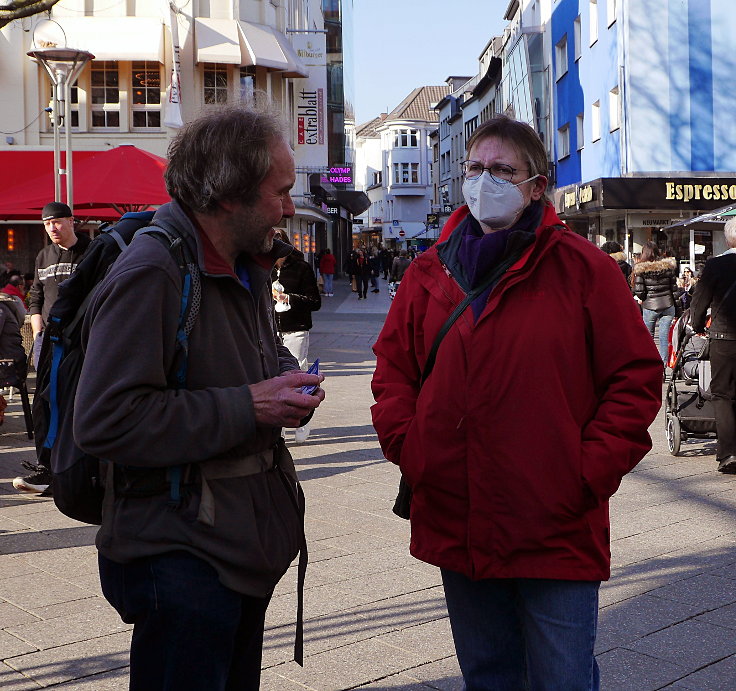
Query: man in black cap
{"x": 54, "y": 263}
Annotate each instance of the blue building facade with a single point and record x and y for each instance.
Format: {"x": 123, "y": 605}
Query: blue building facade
{"x": 643, "y": 112}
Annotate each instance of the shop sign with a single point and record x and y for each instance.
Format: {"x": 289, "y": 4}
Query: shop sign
{"x": 578, "y": 195}
{"x": 695, "y": 194}
{"x": 649, "y": 220}
{"x": 338, "y": 175}
{"x": 310, "y": 101}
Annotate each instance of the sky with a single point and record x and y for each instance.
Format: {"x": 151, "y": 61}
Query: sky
{"x": 403, "y": 44}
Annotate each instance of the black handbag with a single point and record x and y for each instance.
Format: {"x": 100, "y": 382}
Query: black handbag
{"x": 402, "y": 505}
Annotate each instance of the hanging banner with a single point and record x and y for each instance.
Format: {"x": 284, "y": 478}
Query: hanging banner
{"x": 172, "y": 113}
{"x": 310, "y": 101}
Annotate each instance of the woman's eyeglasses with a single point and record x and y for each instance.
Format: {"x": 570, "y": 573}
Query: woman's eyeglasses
{"x": 500, "y": 172}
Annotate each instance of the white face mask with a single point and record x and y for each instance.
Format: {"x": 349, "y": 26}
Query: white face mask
{"x": 495, "y": 205}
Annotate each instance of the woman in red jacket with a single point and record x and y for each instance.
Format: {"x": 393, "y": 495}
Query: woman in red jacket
{"x": 327, "y": 270}
{"x": 538, "y": 404}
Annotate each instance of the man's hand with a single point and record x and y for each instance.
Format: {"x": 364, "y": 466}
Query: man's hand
{"x": 36, "y": 324}
{"x": 278, "y": 402}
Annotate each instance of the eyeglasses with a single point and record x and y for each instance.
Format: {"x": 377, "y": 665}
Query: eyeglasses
{"x": 500, "y": 172}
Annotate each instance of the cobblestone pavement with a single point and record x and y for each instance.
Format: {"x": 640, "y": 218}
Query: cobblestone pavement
{"x": 375, "y": 617}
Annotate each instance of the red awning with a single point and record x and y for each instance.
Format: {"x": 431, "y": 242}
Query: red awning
{"x": 121, "y": 179}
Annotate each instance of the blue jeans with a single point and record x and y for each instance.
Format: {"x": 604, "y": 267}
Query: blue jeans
{"x": 517, "y": 634}
{"x": 190, "y": 632}
{"x": 328, "y": 282}
{"x": 664, "y": 317}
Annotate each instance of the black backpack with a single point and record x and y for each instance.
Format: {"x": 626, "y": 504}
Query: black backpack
{"x": 78, "y": 479}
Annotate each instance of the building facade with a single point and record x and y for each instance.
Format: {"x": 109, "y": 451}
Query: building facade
{"x": 399, "y": 185}
{"x": 643, "y": 137}
{"x": 156, "y": 66}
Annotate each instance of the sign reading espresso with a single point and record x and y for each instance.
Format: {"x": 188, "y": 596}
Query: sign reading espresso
{"x": 688, "y": 192}
{"x": 691, "y": 193}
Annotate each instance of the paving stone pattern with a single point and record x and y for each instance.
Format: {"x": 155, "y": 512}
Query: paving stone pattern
{"x": 375, "y": 617}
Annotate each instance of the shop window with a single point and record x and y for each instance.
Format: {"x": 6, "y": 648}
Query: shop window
{"x": 405, "y": 138}
{"x": 247, "y": 83}
{"x": 614, "y": 109}
{"x": 563, "y": 141}
{"x": 595, "y": 122}
{"x": 593, "y": 9}
{"x": 611, "y": 11}
{"x": 146, "y": 94}
{"x": 406, "y": 173}
{"x": 580, "y": 131}
{"x": 105, "y": 94}
{"x": 561, "y": 57}
{"x": 214, "y": 83}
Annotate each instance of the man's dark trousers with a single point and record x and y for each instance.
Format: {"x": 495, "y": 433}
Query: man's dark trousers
{"x": 190, "y": 633}
{"x": 723, "y": 388}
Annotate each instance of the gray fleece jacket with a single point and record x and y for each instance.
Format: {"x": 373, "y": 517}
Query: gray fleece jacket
{"x": 127, "y": 413}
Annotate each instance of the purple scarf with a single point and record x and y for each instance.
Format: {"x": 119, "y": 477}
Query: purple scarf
{"x": 479, "y": 252}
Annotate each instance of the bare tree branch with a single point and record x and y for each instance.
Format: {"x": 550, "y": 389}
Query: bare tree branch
{"x": 17, "y": 9}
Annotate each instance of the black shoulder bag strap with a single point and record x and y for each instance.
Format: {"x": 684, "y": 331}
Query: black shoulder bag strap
{"x": 403, "y": 498}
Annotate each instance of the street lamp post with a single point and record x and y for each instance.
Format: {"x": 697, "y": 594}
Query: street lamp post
{"x": 63, "y": 65}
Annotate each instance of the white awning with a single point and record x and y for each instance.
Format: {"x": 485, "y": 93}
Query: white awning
{"x": 266, "y": 47}
{"x": 236, "y": 42}
{"x": 218, "y": 40}
{"x": 116, "y": 38}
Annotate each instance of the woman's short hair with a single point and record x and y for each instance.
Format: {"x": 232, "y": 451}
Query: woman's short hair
{"x": 223, "y": 155}
{"x": 520, "y": 135}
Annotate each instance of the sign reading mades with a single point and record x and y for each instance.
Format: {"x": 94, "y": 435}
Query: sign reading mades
{"x": 310, "y": 101}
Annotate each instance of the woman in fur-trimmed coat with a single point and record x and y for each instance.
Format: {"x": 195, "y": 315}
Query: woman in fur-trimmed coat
{"x": 655, "y": 283}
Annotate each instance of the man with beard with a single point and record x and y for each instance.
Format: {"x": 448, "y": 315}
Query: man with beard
{"x": 192, "y": 562}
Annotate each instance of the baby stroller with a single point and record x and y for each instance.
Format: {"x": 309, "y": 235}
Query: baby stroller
{"x": 688, "y": 406}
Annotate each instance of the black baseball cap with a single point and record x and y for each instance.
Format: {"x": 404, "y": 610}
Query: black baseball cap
{"x": 55, "y": 210}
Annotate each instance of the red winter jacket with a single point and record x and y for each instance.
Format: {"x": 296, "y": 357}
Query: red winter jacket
{"x": 327, "y": 264}
{"x": 531, "y": 416}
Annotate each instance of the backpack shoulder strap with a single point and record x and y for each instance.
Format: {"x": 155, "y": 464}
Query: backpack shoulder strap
{"x": 191, "y": 297}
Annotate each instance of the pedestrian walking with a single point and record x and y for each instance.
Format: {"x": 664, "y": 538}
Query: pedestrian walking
{"x": 399, "y": 266}
{"x": 716, "y": 289}
{"x": 655, "y": 285}
{"x": 374, "y": 262}
{"x": 327, "y": 270}
{"x": 299, "y": 297}
{"x": 386, "y": 258}
{"x": 362, "y": 272}
{"x": 537, "y": 405}
{"x": 202, "y": 516}
{"x": 54, "y": 264}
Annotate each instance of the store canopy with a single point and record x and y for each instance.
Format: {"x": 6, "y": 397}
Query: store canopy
{"x": 234, "y": 42}
{"x": 124, "y": 179}
{"x": 267, "y": 47}
{"x": 114, "y": 38}
{"x": 217, "y": 40}
{"x": 716, "y": 216}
